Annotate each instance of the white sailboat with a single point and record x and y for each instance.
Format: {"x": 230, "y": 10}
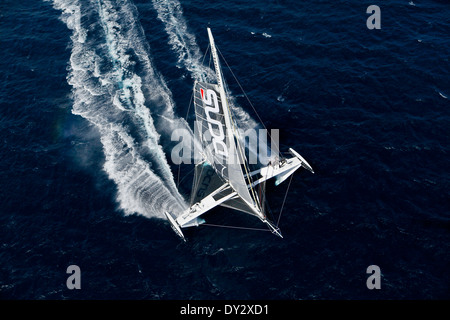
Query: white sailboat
{"x": 223, "y": 177}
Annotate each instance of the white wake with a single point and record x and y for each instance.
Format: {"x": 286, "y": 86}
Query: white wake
{"x": 116, "y": 88}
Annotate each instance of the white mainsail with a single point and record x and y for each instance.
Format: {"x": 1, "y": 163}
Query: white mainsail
{"x": 223, "y": 177}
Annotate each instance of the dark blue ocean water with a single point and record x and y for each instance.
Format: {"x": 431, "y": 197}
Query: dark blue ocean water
{"x": 91, "y": 91}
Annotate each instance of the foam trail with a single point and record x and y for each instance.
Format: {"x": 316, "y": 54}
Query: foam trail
{"x": 184, "y": 45}
{"x": 181, "y": 40}
{"x": 113, "y": 81}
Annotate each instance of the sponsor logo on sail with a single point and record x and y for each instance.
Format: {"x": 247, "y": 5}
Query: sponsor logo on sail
{"x": 215, "y": 126}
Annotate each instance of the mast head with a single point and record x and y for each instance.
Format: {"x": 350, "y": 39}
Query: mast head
{"x": 215, "y": 58}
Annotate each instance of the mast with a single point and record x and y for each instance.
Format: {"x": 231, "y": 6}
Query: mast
{"x": 216, "y": 63}
{"x": 242, "y": 191}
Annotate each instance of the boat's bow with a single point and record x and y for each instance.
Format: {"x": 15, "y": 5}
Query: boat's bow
{"x": 175, "y": 226}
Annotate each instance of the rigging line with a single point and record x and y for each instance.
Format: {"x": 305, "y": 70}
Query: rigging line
{"x": 269, "y": 210}
{"x": 242, "y": 89}
{"x": 186, "y": 117}
{"x": 236, "y": 135}
{"x": 187, "y": 113}
{"x": 195, "y": 183}
{"x": 204, "y": 77}
{"x": 263, "y": 196}
{"x": 284, "y": 200}
{"x": 192, "y": 95}
{"x": 186, "y": 175}
{"x": 249, "y": 178}
{"x": 272, "y": 142}
{"x": 233, "y": 227}
{"x": 260, "y": 198}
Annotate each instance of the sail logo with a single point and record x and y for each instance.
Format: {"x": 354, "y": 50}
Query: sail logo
{"x": 261, "y": 147}
{"x": 215, "y": 126}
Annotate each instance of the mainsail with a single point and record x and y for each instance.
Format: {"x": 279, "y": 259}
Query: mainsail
{"x": 223, "y": 176}
{"x": 220, "y": 145}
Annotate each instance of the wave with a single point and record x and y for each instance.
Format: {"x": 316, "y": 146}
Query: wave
{"x": 116, "y": 88}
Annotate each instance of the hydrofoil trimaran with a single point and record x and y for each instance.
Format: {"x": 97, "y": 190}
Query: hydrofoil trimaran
{"x": 223, "y": 176}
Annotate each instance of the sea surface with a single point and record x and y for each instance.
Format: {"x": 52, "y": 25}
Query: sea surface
{"x": 91, "y": 91}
